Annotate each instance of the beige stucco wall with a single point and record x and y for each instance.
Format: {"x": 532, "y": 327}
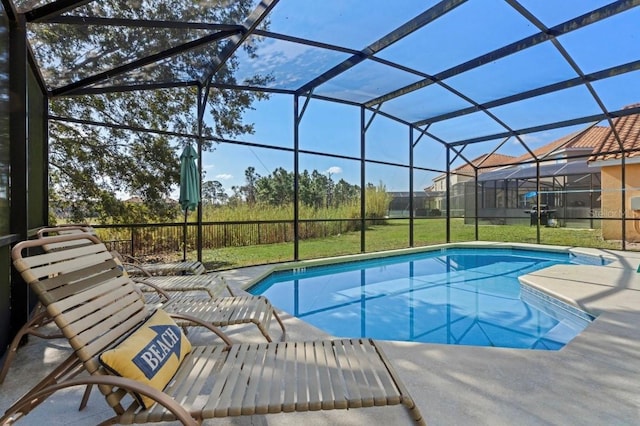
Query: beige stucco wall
{"x": 611, "y": 202}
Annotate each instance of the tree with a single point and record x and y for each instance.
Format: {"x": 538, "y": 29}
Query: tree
{"x": 89, "y": 164}
{"x": 275, "y": 189}
{"x": 305, "y": 188}
{"x": 249, "y": 190}
{"x": 316, "y": 190}
{"x": 236, "y": 198}
{"x": 345, "y": 193}
{"x": 213, "y": 193}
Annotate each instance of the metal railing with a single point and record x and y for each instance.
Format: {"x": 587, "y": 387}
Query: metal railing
{"x": 142, "y": 240}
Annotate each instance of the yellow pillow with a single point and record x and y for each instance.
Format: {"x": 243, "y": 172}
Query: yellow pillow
{"x": 151, "y": 354}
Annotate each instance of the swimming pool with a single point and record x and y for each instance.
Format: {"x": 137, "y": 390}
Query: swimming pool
{"x": 453, "y": 296}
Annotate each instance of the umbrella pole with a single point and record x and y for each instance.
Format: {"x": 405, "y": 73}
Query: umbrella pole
{"x": 184, "y": 236}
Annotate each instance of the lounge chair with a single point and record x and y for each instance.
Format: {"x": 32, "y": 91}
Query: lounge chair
{"x": 142, "y": 272}
{"x": 206, "y": 283}
{"x": 133, "y": 265}
{"x": 102, "y": 315}
{"x": 184, "y": 283}
{"x": 214, "y": 308}
{"x": 220, "y": 311}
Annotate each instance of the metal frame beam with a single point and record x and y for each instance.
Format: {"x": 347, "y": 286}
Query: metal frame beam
{"x": 18, "y": 134}
{"x": 562, "y": 85}
{"x": 363, "y": 180}
{"x": 53, "y": 9}
{"x": 525, "y": 43}
{"x": 297, "y": 118}
{"x": 550, "y": 126}
{"x": 569, "y": 59}
{"x": 138, "y": 23}
{"x": 404, "y": 30}
{"x": 256, "y": 17}
{"x": 10, "y": 9}
{"x": 411, "y": 188}
{"x": 130, "y": 88}
{"x": 138, "y": 63}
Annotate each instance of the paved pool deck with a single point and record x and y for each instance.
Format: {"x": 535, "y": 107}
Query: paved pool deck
{"x": 594, "y": 380}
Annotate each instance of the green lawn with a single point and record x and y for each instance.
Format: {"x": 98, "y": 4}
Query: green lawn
{"x": 396, "y": 235}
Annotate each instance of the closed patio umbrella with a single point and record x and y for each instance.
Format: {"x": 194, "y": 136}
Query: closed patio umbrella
{"x": 189, "y": 187}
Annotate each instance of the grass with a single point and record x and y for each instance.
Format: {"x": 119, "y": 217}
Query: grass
{"x": 396, "y": 235}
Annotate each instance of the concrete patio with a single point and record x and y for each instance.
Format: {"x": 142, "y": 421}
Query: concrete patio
{"x": 594, "y": 380}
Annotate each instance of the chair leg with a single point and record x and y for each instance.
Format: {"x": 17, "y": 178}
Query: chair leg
{"x": 85, "y": 397}
{"x": 30, "y": 327}
{"x": 284, "y": 333}
{"x": 68, "y": 368}
{"x": 264, "y": 330}
{"x": 277, "y": 317}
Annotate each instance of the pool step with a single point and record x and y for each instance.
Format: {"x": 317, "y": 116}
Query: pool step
{"x": 563, "y": 332}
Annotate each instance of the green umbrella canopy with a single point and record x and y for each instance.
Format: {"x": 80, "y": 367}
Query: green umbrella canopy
{"x": 189, "y": 179}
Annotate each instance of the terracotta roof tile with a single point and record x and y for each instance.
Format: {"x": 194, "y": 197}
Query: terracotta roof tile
{"x": 628, "y": 128}
{"x": 590, "y": 138}
{"x": 600, "y": 138}
{"x": 488, "y": 162}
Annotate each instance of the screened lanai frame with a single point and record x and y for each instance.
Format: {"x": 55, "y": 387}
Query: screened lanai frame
{"x": 544, "y": 31}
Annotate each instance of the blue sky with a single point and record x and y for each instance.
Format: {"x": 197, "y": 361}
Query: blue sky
{"x": 470, "y": 30}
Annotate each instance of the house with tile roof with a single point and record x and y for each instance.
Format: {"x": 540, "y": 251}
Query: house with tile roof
{"x": 620, "y": 145}
{"x": 458, "y": 177}
{"x": 580, "y": 178}
{"x": 466, "y": 172}
{"x": 568, "y": 187}
{"x": 507, "y": 186}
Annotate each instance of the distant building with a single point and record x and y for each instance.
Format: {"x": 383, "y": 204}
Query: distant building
{"x": 134, "y": 200}
{"x": 568, "y": 186}
{"x": 400, "y": 204}
{"x": 459, "y": 176}
{"x": 577, "y": 183}
{"x": 139, "y": 200}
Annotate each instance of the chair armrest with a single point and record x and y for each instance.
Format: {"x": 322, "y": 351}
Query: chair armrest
{"x": 205, "y": 324}
{"x": 138, "y": 267}
{"x": 155, "y": 288}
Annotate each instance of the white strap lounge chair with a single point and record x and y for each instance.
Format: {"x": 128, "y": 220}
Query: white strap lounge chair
{"x": 215, "y": 309}
{"x": 128, "y": 350}
{"x": 133, "y": 265}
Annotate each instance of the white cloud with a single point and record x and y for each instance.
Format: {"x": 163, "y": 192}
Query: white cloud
{"x": 224, "y": 176}
{"x": 274, "y": 53}
{"x": 334, "y": 170}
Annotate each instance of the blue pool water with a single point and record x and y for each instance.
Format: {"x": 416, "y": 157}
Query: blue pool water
{"x": 453, "y": 296}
